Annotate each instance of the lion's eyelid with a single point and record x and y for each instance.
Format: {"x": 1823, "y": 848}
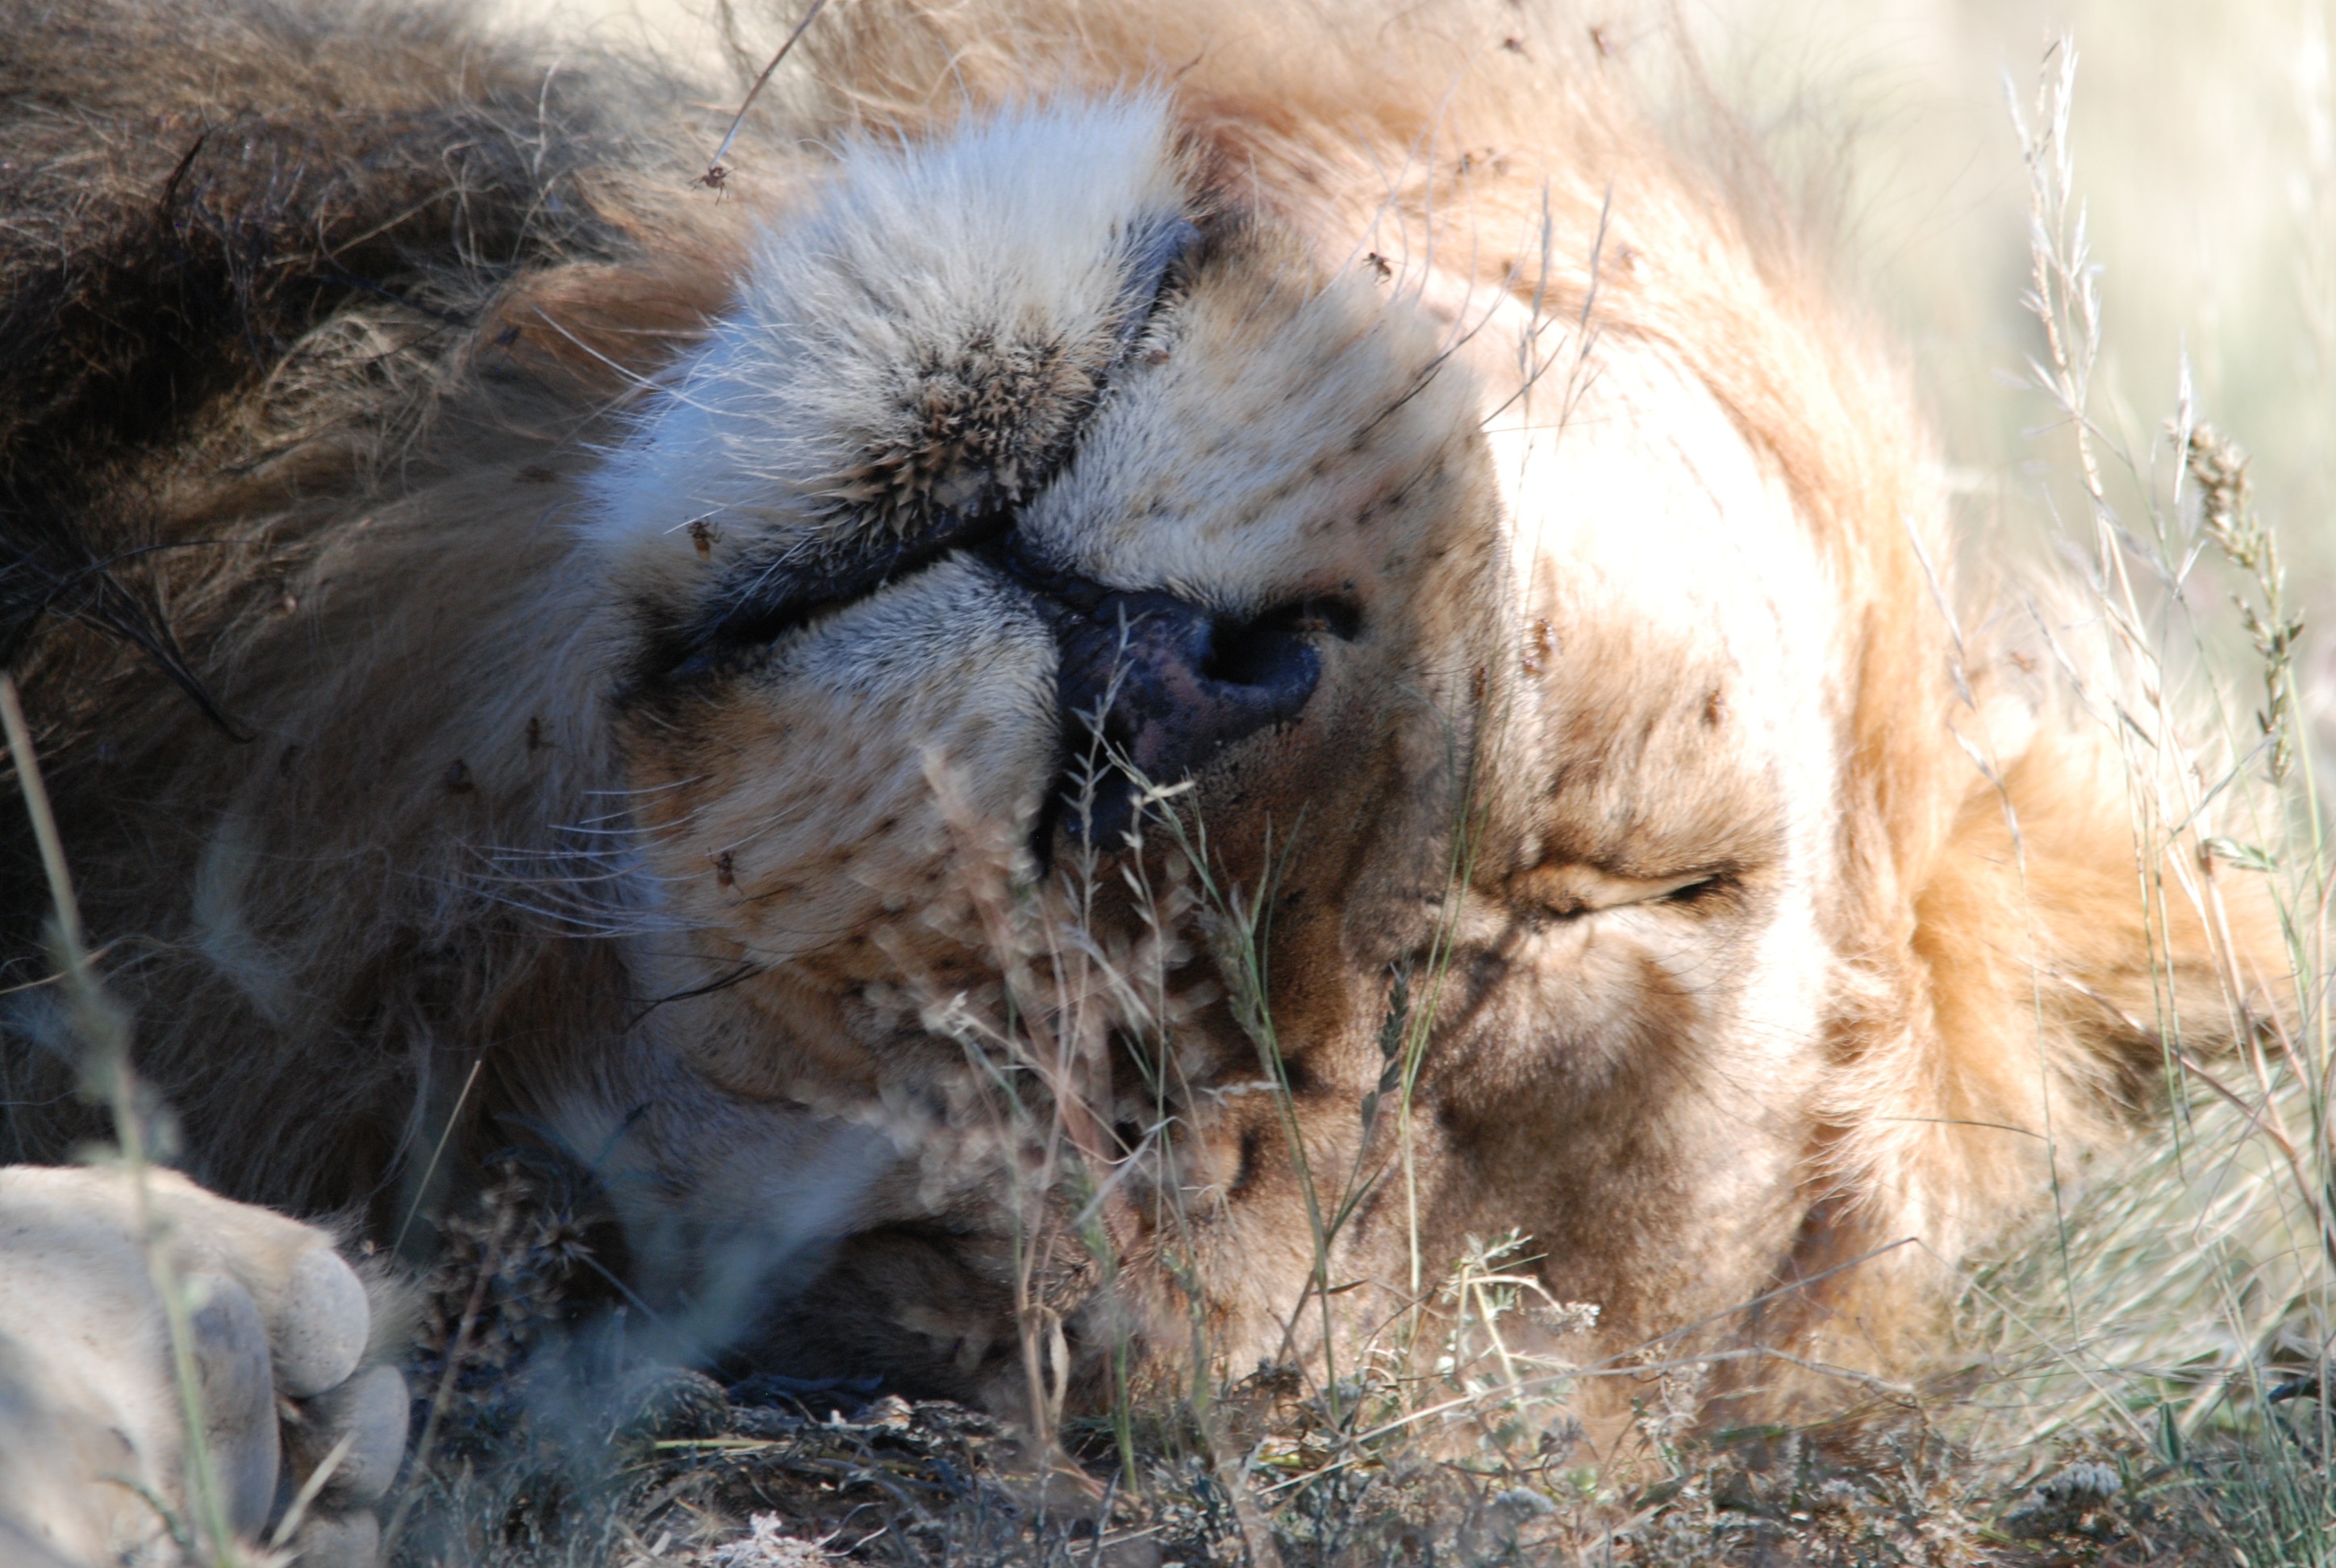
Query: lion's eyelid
{"x": 1572, "y": 889}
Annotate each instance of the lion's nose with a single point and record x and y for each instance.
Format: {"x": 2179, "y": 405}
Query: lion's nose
{"x": 1152, "y": 686}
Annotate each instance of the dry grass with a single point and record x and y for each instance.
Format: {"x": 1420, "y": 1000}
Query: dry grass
{"x": 673, "y": 1469}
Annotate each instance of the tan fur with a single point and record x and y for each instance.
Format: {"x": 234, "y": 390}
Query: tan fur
{"x": 93, "y": 1453}
{"x": 1642, "y": 769}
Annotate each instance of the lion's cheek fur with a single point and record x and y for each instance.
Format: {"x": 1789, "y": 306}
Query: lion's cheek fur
{"x": 847, "y": 812}
{"x": 1628, "y": 1078}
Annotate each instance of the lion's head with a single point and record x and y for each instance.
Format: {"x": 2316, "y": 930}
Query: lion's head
{"x": 1397, "y": 694}
{"x": 1198, "y": 660}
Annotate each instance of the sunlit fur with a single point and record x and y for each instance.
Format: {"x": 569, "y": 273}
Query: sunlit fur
{"x": 1762, "y": 921}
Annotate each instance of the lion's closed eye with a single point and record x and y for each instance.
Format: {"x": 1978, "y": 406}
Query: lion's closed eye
{"x": 1568, "y": 889}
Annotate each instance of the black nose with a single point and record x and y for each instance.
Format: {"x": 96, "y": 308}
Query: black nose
{"x": 1163, "y": 685}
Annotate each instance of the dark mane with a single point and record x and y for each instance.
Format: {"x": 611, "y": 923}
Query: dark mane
{"x": 187, "y": 203}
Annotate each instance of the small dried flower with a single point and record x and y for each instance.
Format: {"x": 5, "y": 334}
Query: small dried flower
{"x": 2226, "y": 516}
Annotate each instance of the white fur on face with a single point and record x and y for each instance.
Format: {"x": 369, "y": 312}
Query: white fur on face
{"x": 1016, "y": 231}
{"x": 1641, "y": 504}
{"x": 1644, "y": 520}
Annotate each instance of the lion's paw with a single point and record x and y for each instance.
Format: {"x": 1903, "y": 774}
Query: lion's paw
{"x": 95, "y": 1460}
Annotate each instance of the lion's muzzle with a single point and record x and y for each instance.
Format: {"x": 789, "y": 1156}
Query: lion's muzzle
{"x": 1152, "y": 687}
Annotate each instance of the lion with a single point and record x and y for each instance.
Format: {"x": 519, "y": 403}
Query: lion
{"x": 1139, "y": 673}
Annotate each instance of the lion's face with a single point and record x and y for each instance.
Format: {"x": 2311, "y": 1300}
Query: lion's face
{"x": 1496, "y": 664}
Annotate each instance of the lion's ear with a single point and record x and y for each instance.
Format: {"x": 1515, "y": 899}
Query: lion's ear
{"x": 2072, "y": 955}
